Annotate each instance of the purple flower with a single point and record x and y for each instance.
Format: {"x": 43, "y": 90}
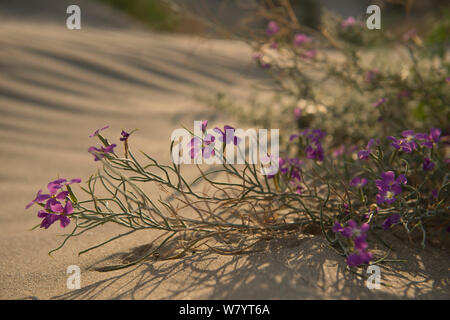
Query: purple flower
{"x": 295, "y": 175}
{"x": 124, "y": 135}
{"x": 389, "y": 187}
{"x": 408, "y": 135}
{"x": 427, "y": 164}
{"x": 53, "y": 208}
{"x": 49, "y": 217}
{"x": 435, "y": 134}
{"x": 428, "y": 140}
{"x": 399, "y": 144}
{"x": 208, "y": 152}
{"x": 272, "y": 28}
{"x": 295, "y": 162}
{"x": 365, "y": 257}
{"x": 53, "y": 196}
{"x": 204, "y": 125}
{"x": 387, "y": 196}
{"x": 361, "y": 230}
{"x": 40, "y": 198}
{"x": 391, "y": 220}
{"x": 314, "y": 135}
{"x": 99, "y": 153}
{"x": 227, "y": 135}
{"x": 380, "y": 102}
{"x": 407, "y": 143}
{"x": 337, "y": 227}
{"x": 347, "y": 232}
{"x": 314, "y": 151}
{"x": 360, "y": 242}
{"x": 364, "y": 154}
{"x": 358, "y": 182}
{"x": 351, "y": 229}
{"x": 291, "y": 165}
{"x": 98, "y": 131}
{"x": 209, "y": 139}
{"x": 274, "y": 45}
{"x": 358, "y": 235}
{"x": 291, "y": 168}
{"x": 348, "y": 22}
{"x": 359, "y": 257}
{"x": 301, "y": 38}
{"x": 354, "y": 260}
{"x": 207, "y": 147}
{"x": 195, "y": 144}
{"x": 388, "y": 181}
{"x": 401, "y": 179}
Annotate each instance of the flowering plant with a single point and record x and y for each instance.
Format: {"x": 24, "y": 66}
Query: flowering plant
{"x": 348, "y": 198}
{"x": 354, "y": 166}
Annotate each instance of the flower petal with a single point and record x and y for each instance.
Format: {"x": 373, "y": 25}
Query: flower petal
{"x": 62, "y": 195}
{"x": 54, "y": 186}
{"x": 42, "y": 214}
{"x": 68, "y": 209}
{"x": 352, "y": 223}
{"x": 97, "y": 131}
{"x": 365, "y": 227}
{"x": 54, "y": 205}
{"x": 49, "y": 220}
{"x": 353, "y": 260}
{"x": 388, "y": 176}
{"x": 64, "y": 221}
{"x": 204, "y": 125}
{"x": 39, "y": 198}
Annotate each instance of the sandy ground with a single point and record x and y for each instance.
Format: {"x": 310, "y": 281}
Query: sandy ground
{"x": 57, "y": 86}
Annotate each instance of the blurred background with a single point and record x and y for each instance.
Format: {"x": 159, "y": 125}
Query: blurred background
{"x": 212, "y": 16}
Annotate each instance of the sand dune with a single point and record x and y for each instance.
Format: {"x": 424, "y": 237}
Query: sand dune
{"x": 57, "y": 86}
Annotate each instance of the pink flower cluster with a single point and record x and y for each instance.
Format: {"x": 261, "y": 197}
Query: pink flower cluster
{"x": 52, "y": 203}
{"x": 357, "y": 236}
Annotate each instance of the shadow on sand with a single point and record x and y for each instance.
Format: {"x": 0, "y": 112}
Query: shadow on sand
{"x": 281, "y": 269}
